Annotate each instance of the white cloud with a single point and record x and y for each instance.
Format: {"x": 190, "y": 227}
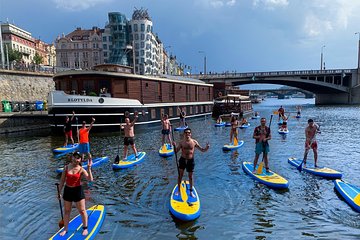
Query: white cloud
{"x": 78, "y": 5}
{"x": 271, "y": 4}
{"x": 325, "y": 16}
{"x": 216, "y": 3}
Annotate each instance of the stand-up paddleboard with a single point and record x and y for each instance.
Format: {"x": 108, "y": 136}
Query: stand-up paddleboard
{"x": 280, "y": 122}
{"x": 270, "y": 179}
{"x": 183, "y": 206}
{"x": 227, "y": 124}
{"x": 166, "y": 150}
{"x": 66, "y": 149}
{"x": 222, "y": 124}
{"x": 182, "y": 128}
{"x": 298, "y": 116}
{"x": 96, "y": 215}
{"x": 246, "y": 125}
{"x": 283, "y": 131}
{"x": 318, "y": 171}
{"x": 96, "y": 162}
{"x": 349, "y": 192}
{"x": 255, "y": 117}
{"x": 229, "y": 147}
{"x": 130, "y": 161}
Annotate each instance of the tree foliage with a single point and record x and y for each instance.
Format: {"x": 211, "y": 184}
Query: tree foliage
{"x": 38, "y": 59}
{"x": 14, "y": 55}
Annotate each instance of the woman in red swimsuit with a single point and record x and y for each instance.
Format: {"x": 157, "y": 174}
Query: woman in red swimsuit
{"x": 73, "y": 191}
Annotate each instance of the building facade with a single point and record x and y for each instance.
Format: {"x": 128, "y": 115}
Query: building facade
{"x": 80, "y": 49}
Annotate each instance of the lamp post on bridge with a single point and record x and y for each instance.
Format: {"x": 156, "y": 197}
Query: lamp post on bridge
{"x": 358, "y": 33}
{"x": 322, "y": 58}
{"x": 204, "y": 60}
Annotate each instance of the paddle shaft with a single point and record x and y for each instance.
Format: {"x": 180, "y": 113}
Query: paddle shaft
{"x": 267, "y": 134}
{"x": 176, "y": 158}
{"x": 77, "y": 130}
{"x": 61, "y": 211}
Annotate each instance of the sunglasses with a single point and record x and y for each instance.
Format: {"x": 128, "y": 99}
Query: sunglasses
{"x": 187, "y": 132}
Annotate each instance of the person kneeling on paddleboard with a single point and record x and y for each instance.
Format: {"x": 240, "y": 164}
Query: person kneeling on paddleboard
{"x": 261, "y": 135}
{"x": 73, "y": 191}
{"x": 186, "y": 161}
{"x": 310, "y": 140}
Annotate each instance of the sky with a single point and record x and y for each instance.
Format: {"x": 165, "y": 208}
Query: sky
{"x": 234, "y": 35}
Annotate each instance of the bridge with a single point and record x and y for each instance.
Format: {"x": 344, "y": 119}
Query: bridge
{"x": 282, "y": 92}
{"x": 334, "y": 86}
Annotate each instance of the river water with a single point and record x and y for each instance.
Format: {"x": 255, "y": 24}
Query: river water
{"x": 233, "y": 205}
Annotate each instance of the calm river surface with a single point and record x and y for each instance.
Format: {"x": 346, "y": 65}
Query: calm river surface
{"x": 233, "y": 205}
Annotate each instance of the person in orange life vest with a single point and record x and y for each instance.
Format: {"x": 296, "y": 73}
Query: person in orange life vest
{"x": 73, "y": 191}
{"x": 84, "y": 145}
{"x": 68, "y": 129}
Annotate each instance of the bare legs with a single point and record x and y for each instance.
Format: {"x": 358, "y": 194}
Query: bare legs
{"x": 82, "y": 211}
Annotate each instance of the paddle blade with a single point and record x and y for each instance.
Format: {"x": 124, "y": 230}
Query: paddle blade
{"x": 275, "y": 112}
{"x": 184, "y": 195}
{"x": 117, "y": 159}
{"x": 260, "y": 168}
{"x": 61, "y": 223}
{"x": 299, "y": 168}
{"x": 236, "y": 142}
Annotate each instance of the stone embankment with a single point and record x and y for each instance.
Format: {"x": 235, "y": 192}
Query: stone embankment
{"x": 24, "y": 87}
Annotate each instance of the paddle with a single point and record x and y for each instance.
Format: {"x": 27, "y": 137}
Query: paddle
{"x": 299, "y": 168}
{"x": 182, "y": 190}
{"x": 261, "y": 165}
{"x": 61, "y": 222}
{"x": 77, "y": 130}
{"x": 117, "y": 158}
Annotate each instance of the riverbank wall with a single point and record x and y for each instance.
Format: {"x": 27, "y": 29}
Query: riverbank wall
{"x": 20, "y": 89}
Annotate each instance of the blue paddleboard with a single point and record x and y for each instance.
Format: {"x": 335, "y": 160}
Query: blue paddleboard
{"x": 349, "y": 192}
{"x": 182, "y": 128}
{"x": 96, "y": 215}
{"x": 130, "y": 161}
{"x": 282, "y": 131}
{"x": 270, "y": 179}
{"x": 246, "y": 125}
{"x": 229, "y": 147}
{"x": 183, "y": 206}
{"x": 96, "y": 162}
{"x": 67, "y": 149}
{"x": 166, "y": 150}
{"x": 220, "y": 124}
{"x": 318, "y": 171}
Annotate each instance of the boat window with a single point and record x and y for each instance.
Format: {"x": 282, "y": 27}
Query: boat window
{"x": 196, "y": 109}
{"x": 153, "y": 113}
{"x": 171, "y": 112}
{"x": 162, "y": 112}
{"x": 191, "y": 110}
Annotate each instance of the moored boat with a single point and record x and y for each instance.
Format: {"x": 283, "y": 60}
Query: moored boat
{"x": 109, "y": 96}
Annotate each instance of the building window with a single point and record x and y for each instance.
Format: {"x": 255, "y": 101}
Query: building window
{"x": 104, "y": 46}
{"x": 136, "y": 37}
{"x": 135, "y": 27}
{"x": 104, "y": 39}
{"x": 142, "y": 36}
{"x": 143, "y": 27}
{"x": 148, "y": 28}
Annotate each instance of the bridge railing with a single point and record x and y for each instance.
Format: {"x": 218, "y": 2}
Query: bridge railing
{"x": 268, "y": 74}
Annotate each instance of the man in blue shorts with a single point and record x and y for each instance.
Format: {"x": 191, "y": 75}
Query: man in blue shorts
{"x": 261, "y": 135}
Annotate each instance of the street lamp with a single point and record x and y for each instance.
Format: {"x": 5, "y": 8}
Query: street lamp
{"x": 321, "y": 61}
{"x": 204, "y": 60}
{"x": 358, "y": 33}
{"x": 1, "y": 48}
{"x": 129, "y": 48}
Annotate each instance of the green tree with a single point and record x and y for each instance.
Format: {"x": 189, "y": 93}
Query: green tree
{"x": 15, "y": 55}
{"x": 38, "y": 59}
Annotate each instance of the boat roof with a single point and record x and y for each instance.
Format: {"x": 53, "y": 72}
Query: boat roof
{"x": 234, "y": 96}
{"x": 167, "y": 78}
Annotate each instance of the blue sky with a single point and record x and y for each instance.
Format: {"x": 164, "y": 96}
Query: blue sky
{"x": 236, "y": 35}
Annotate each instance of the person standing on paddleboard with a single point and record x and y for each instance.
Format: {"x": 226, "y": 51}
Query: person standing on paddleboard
{"x": 186, "y": 161}
{"x": 310, "y": 142}
{"x": 73, "y": 191}
{"x": 68, "y": 129}
{"x": 84, "y": 143}
{"x": 261, "y": 135}
{"x": 129, "y": 135}
{"x": 233, "y": 131}
{"x": 166, "y": 128}
{"x": 182, "y": 117}
{"x": 281, "y": 112}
